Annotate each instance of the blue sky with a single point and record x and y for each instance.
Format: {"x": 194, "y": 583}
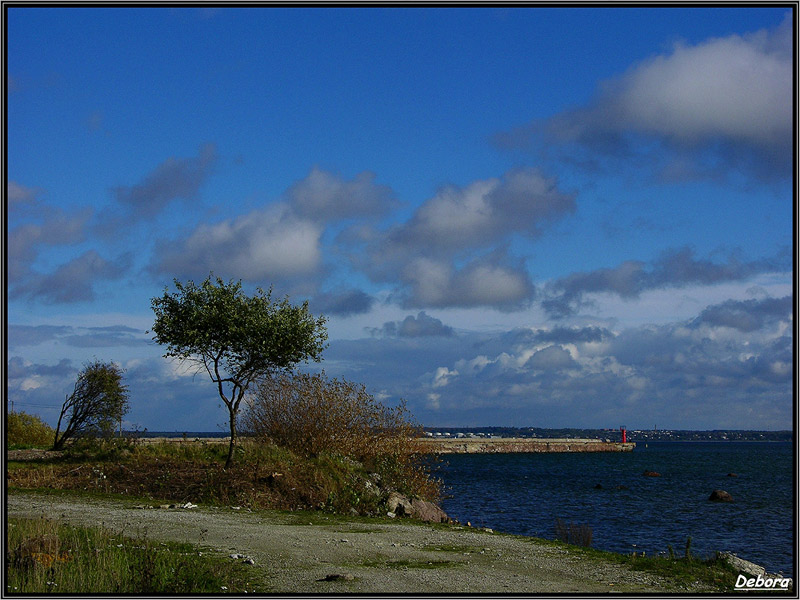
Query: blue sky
{"x": 534, "y": 216}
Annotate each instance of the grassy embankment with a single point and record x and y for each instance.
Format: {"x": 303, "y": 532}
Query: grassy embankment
{"x": 44, "y": 556}
{"x": 264, "y": 477}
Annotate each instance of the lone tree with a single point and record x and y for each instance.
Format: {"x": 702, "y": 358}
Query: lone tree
{"x": 238, "y": 339}
{"x": 96, "y": 405}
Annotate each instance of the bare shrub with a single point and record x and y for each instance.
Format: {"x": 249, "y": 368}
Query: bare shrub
{"x": 313, "y": 414}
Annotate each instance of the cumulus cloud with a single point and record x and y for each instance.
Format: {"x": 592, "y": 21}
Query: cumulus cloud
{"x": 552, "y": 358}
{"x": 33, "y": 335}
{"x": 71, "y": 282}
{"x": 18, "y": 194}
{"x": 423, "y": 325}
{"x": 43, "y": 228}
{"x": 280, "y": 241}
{"x": 491, "y": 281}
{"x": 453, "y": 250}
{"x": 342, "y": 304}
{"x": 54, "y": 227}
{"x": 571, "y": 335}
{"x": 261, "y": 245}
{"x": 705, "y": 371}
{"x": 676, "y": 373}
{"x": 730, "y": 95}
{"x": 746, "y": 315}
{"x": 674, "y": 268}
{"x": 476, "y": 216}
{"x": 37, "y": 388}
{"x": 105, "y": 337}
{"x": 173, "y": 179}
{"x": 323, "y": 196}
{"x": 442, "y": 377}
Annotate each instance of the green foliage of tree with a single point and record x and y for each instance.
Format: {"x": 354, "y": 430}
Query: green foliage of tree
{"x": 96, "y": 405}
{"x": 238, "y": 339}
{"x": 23, "y": 429}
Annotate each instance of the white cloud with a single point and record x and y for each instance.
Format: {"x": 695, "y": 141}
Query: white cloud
{"x": 738, "y": 87}
{"x": 323, "y": 196}
{"x": 477, "y": 216}
{"x": 30, "y": 383}
{"x": 178, "y": 369}
{"x": 442, "y": 377}
{"x": 721, "y": 105}
{"x": 485, "y": 281}
{"x": 453, "y": 251}
{"x": 260, "y": 245}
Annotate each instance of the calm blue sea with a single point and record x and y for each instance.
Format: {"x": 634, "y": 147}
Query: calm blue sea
{"x": 526, "y": 493}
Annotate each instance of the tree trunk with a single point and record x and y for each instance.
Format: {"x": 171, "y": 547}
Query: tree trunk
{"x": 58, "y": 443}
{"x": 232, "y": 445}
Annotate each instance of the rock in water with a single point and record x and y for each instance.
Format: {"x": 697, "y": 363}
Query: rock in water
{"x": 720, "y": 496}
{"x": 651, "y": 474}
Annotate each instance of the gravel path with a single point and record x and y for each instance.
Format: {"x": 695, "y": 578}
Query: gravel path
{"x": 296, "y": 552}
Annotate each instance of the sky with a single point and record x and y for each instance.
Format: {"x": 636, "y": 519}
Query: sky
{"x": 522, "y": 216}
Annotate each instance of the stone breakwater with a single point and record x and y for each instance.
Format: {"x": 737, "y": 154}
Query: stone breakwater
{"x": 500, "y": 445}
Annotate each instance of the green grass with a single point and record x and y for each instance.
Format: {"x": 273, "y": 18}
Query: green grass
{"x": 47, "y": 557}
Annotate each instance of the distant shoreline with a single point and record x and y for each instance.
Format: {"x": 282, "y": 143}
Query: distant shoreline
{"x": 600, "y": 435}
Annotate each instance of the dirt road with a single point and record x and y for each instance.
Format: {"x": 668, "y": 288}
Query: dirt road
{"x": 296, "y": 552}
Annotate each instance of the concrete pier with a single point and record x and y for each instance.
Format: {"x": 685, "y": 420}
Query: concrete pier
{"x": 498, "y": 445}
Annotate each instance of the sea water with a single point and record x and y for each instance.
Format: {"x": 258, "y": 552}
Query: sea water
{"x": 629, "y": 512}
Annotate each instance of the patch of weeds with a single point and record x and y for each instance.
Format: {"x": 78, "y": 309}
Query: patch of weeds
{"x": 309, "y": 517}
{"x": 329, "y": 519}
{"x": 460, "y": 548}
{"x": 356, "y": 529}
{"x": 682, "y": 572}
{"x": 47, "y": 557}
{"x": 576, "y": 534}
{"x": 712, "y": 572}
{"x": 410, "y": 564}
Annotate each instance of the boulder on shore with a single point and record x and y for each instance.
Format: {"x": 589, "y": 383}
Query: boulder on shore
{"x": 428, "y": 511}
{"x": 720, "y": 496}
{"x": 423, "y": 510}
{"x": 399, "y": 504}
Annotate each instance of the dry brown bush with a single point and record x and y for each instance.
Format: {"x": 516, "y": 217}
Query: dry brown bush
{"x": 313, "y": 414}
